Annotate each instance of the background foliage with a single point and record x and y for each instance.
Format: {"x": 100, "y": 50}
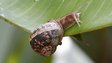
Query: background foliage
{"x": 29, "y": 14}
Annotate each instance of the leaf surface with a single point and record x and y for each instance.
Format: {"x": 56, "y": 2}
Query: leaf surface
{"x": 29, "y": 14}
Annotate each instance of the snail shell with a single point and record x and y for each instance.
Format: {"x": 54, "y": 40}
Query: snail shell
{"x": 45, "y": 39}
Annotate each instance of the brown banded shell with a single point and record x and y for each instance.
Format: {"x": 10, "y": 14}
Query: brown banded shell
{"x": 46, "y": 38}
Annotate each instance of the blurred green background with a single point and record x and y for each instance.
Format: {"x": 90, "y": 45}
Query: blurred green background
{"x": 91, "y": 47}
{"x": 15, "y": 47}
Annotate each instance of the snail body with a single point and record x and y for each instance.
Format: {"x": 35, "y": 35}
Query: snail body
{"x": 45, "y": 39}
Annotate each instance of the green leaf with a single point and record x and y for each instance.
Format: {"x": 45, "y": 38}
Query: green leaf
{"x": 29, "y": 14}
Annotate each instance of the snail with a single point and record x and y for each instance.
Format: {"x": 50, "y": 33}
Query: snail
{"x": 45, "y": 39}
